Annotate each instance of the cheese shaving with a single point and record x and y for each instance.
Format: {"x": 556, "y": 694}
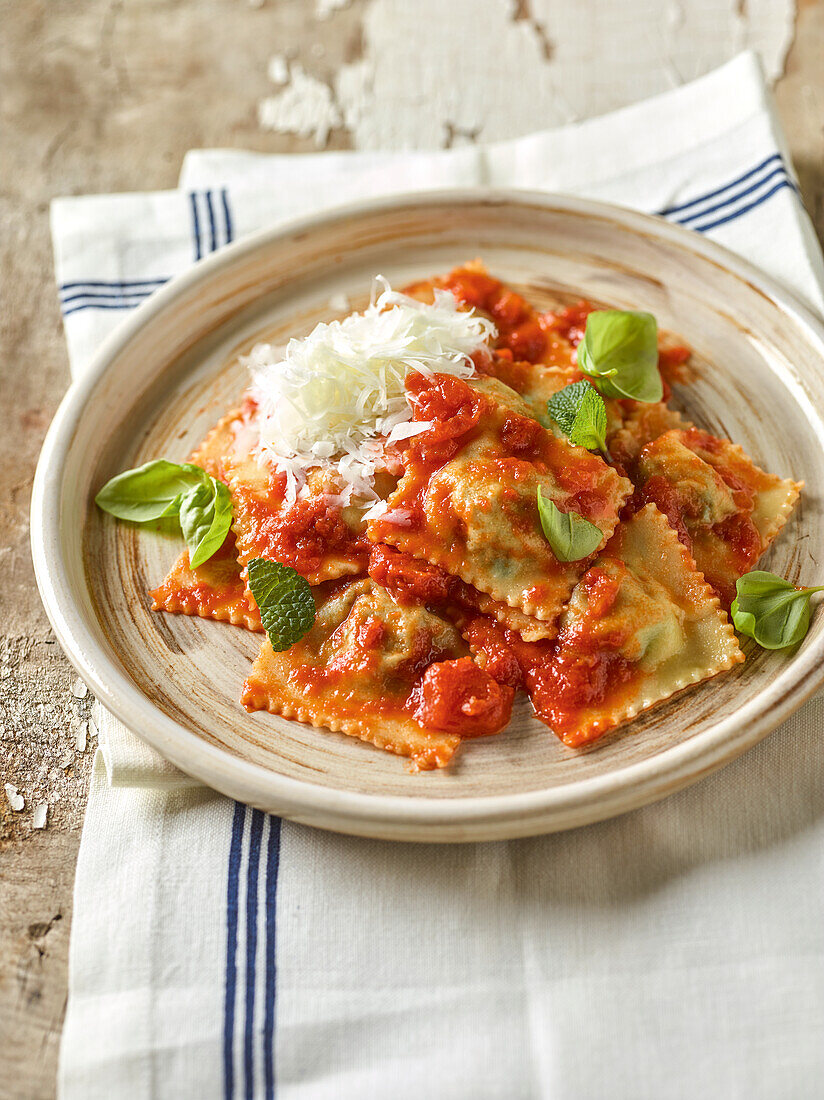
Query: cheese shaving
{"x": 337, "y": 398}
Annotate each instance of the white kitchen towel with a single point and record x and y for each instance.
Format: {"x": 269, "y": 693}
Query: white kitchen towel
{"x": 673, "y": 952}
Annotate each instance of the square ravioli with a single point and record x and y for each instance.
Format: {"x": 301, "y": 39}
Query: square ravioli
{"x": 378, "y": 670}
{"x": 630, "y": 424}
{"x": 467, "y": 500}
{"x": 215, "y": 590}
{"x": 641, "y": 624}
{"x": 727, "y": 511}
{"x": 315, "y": 534}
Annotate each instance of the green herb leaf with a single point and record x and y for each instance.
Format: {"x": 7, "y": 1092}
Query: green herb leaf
{"x": 570, "y": 536}
{"x": 161, "y": 488}
{"x": 205, "y": 519}
{"x": 580, "y": 413}
{"x": 284, "y": 599}
{"x": 771, "y": 610}
{"x": 619, "y": 352}
{"x": 150, "y": 491}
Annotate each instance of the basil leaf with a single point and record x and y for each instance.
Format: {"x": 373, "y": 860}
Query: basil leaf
{"x": 570, "y": 536}
{"x": 619, "y": 352}
{"x": 205, "y": 519}
{"x": 580, "y": 413}
{"x": 160, "y": 488}
{"x": 150, "y": 491}
{"x": 284, "y": 599}
{"x": 771, "y": 610}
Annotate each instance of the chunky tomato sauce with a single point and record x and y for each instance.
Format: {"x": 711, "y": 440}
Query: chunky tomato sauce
{"x": 519, "y": 326}
{"x": 302, "y": 535}
{"x": 459, "y": 697}
{"x": 410, "y": 580}
{"x": 569, "y": 678}
{"x": 452, "y": 696}
{"x": 570, "y": 322}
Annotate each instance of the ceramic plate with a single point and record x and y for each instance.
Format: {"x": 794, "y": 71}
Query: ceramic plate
{"x": 171, "y": 369}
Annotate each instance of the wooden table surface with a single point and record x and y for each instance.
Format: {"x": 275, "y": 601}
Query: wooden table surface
{"x": 107, "y": 96}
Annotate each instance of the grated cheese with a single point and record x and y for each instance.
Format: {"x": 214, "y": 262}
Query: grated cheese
{"x": 335, "y": 398}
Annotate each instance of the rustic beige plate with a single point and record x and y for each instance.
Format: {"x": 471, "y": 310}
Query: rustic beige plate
{"x": 171, "y": 369}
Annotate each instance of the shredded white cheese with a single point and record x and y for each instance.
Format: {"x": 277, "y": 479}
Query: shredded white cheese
{"x": 336, "y": 397}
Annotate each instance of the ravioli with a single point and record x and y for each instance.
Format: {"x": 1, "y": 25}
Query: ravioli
{"x": 315, "y": 535}
{"x": 361, "y": 670}
{"x": 476, "y": 513}
{"x": 726, "y": 510}
{"x": 640, "y": 625}
{"x": 223, "y": 441}
{"x": 630, "y": 424}
{"x": 215, "y": 590}
{"x": 413, "y": 580}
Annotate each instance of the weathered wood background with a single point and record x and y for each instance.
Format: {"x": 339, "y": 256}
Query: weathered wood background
{"x": 107, "y": 95}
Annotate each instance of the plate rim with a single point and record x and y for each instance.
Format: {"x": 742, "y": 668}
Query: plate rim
{"x": 401, "y": 817}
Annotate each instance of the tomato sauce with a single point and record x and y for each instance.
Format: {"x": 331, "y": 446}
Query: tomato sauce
{"x": 212, "y": 588}
{"x": 520, "y": 329}
{"x": 457, "y": 411}
{"x": 575, "y": 682}
{"x": 459, "y": 697}
{"x": 664, "y": 495}
{"x": 567, "y": 678}
{"x": 494, "y": 644}
{"x": 569, "y": 322}
{"x": 410, "y": 580}
{"x": 301, "y": 535}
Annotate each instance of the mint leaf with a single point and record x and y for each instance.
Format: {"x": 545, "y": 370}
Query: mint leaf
{"x": 619, "y": 352}
{"x": 771, "y": 610}
{"x": 160, "y": 488}
{"x": 580, "y": 413}
{"x": 284, "y": 599}
{"x": 205, "y": 519}
{"x": 150, "y": 491}
{"x": 570, "y": 536}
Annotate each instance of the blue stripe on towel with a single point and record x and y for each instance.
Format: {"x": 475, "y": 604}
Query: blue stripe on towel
{"x": 745, "y": 209}
{"x": 101, "y": 296}
{"x": 212, "y": 230}
{"x": 719, "y": 190}
{"x": 252, "y": 874}
{"x": 224, "y": 197}
{"x": 195, "y": 225}
{"x": 272, "y": 866}
{"x": 93, "y": 286}
{"x": 102, "y": 305}
{"x": 126, "y": 294}
{"x": 232, "y": 885}
{"x": 769, "y": 168}
{"x": 696, "y": 216}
